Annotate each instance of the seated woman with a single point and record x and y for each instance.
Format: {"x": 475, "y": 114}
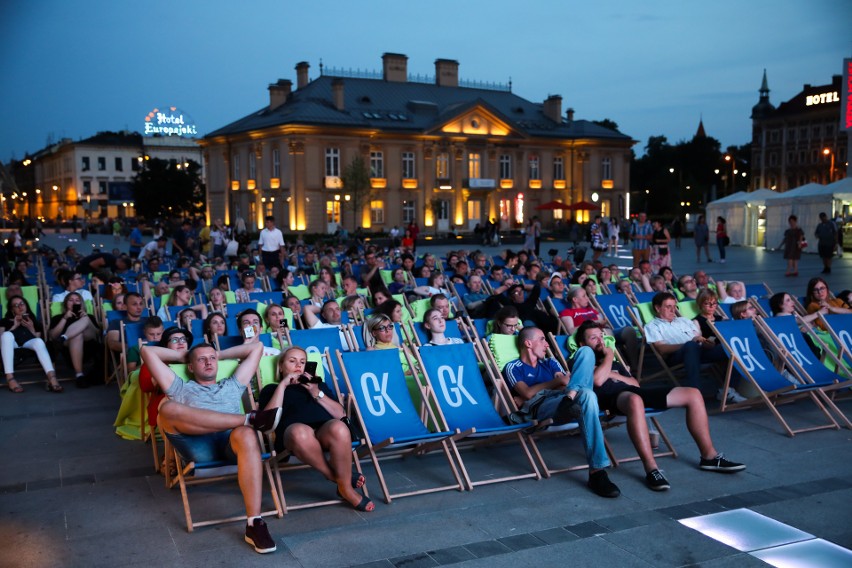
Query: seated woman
{"x": 390, "y": 308}
{"x": 295, "y": 306}
{"x": 20, "y": 330}
{"x": 435, "y": 326}
{"x": 285, "y": 279}
{"x": 75, "y": 330}
{"x": 819, "y": 297}
{"x": 353, "y": 305}
{"x": 381, "y": 333}
{"x": 118, "y": 302}
{"x": 247, "y": 281}
{"x": 181, "y": 296}
{"x": 400, "y": 282}
{"x": 215, "y": 325}
{"x": 114, "y": 287}
{"x": 327, "y": 276}
{"x": 380, "y": 296}
{"x": 506, "y": 321}
{"x": 782, "y": 304}
{"x": 591, "y": 287}
{"x": 707, "y": 302}
{"x": 274, "y": 319}
{"x": 580, "y": 310}
{"x": 312, "y": 425}
{"x": 185, "y": 317}
{"x": 217, "y": 302}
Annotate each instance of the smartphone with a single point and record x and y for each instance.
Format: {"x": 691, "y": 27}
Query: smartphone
{"x": 77, "y": 308}
{"x": 310, "y": 369}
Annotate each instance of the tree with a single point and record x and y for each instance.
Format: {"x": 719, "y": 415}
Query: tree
{"x": 164, "y": 188}
{"x": 356, "y": 183}
{"x": 607, "y": 123}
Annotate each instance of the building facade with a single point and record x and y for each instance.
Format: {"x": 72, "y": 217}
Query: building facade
{"x": 800, "y": 141}
{"x": 440, "y": 152}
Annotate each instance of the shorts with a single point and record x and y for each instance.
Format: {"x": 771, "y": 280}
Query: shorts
{"x": 204, "y": 448}
{"x": 653, "y": 397}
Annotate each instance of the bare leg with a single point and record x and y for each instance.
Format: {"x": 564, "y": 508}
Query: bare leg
{"x": 335, "y": 436}
{"x": 633, "y": 407}
{"x": 176, "y": 418}
{"x": 82, "y": 326}
{"x": 302, "y": 441}
{"x": 249, "y": 467}
{"x": 696, "y": 417}
{"x": 75, "y": 349}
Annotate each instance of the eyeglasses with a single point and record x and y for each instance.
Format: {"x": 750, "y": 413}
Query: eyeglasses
{"x": 687, "y": 280}
{"x": 247, "y": 274}
{"x": 17, "y": 304}
{"x": 176, "y": 340}
{"x": 820, "y": 288}
{"x": 711, "y": 303}
{"x": 383, "y": 328}
{"x": 78, "y": 278}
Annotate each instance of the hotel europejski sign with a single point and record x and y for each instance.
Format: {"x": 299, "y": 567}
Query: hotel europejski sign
{"x": 169, "y": 122}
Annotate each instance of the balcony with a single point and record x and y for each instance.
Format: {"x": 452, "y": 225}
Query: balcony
{"x": 251, "y": 184}
{"x": 607, "y": 184}
{"x": 409, "y": 183}
{"x": 559, "y": 184}
{"x": 333, "y": 182}
{"x": 535, "y": 184}
{"x": 507, "y": 183}
{"x": 275, "y": 183}
{"x": 235, "y": 185}
{"x": 378, "y": 183}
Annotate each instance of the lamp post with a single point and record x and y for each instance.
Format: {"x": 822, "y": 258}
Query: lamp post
{"x": 828, "y": 152}
{"x": 729, "y": 158}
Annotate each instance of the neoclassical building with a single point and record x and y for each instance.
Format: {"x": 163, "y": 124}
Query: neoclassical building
{"x": 442, "y": 152}
{"x": 800, "y": 141}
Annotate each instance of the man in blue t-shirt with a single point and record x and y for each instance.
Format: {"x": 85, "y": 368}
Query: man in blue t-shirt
{"x": 543, "y": 389}
{"x": 136, "y": 243}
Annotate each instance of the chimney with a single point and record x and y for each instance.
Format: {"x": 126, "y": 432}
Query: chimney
{"x": 278, "y": 93}
{"x": 569, "y": 114}
{"x": 302, "y": 74}
{"x": 553, "y": 108}
{"x": 446, "y": 73}
{"x": 395, "y": 67}
{"x": 337, "y": 92}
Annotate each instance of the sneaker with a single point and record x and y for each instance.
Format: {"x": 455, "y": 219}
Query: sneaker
{"x": 657, "y": 481}
{"x": 258, "y": 536}
{"x": 264, "y": 420}
{"x": 733, "y": 396}
{"x": 599, "y": 483}
{"x": 722, "y": 260}
{"x": 517, "y": 418}
{"x": 568, "y": 411}
{"x": 719, "y": 463}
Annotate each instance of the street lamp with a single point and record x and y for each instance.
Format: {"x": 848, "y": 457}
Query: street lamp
{"x": 729, "y": 158}
{"x": 828, "y": 152}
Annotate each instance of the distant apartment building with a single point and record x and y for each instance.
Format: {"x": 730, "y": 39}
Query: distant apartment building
{"x": 441, "y": 152}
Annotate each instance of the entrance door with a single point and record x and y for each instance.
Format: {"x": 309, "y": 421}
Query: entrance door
{"x": 474, "y": 213}
{"x": 444, "y": 216}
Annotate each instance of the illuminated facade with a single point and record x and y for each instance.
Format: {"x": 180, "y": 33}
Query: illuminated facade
{"x": 439, "y": 151}
{"x": 800, "y": 141}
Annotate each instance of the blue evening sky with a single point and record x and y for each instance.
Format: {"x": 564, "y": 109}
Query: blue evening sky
{"x": 73, "y": 68}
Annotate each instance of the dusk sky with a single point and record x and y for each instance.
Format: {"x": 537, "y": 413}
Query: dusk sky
{"x": 72, "y": 69}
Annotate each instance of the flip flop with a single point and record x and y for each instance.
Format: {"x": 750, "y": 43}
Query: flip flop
{"x": 362, "y": 504}
{"x": 15, "y": 389}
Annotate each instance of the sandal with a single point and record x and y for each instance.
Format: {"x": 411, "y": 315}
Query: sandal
{"x": 53, "y": 386}
{"x": 14, "y": 386}
{"x": 362, "y": 504}
{"x": 358, "y": 480}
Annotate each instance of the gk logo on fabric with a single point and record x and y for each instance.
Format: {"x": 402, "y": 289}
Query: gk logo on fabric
{"x": 789, "y": 343}
{"x": 452, "y": 387}
{"x": 742, "y": 348}
{"x": 619, "y": 318}
{"x": 376, "y": 394}
{"x": 846, "y": 339}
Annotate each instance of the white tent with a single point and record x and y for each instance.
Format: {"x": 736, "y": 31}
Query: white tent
{"x": 804, "y": 202}
{"x": 742, "y": 212}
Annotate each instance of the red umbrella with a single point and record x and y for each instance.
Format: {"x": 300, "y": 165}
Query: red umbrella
{"x": 584, "y": 206}
{"x": 552, "y": 205}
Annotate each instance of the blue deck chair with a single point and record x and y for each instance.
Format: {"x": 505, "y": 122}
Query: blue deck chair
{"x": 452, "y": 373}
{"x": 740, "y": 341}
{"x": 317, "y": 341}
{"x": 840, "y": 328}
{"x": 785, "y": 332}
{"x": 389, "y": 420}
{"x": 266, "y": 297}
{"x": 726, "y": 309}
{"x": 422, "y": 338}
{"x": 644, "y": 297}
{"x": 758, "y": 290}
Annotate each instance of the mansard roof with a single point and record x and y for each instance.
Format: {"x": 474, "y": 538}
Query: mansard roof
{"x": 409, "y": 108}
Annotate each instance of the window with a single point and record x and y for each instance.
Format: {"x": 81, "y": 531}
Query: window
{"x": 252, "y": 165}
{"x": 236, "y": 160}
{"x": 276, "y": 163}
{"x": 505, "y": 166}
{"x": 409, "y": 211}
{"x": 534, "y": 167}
{"x": 814, "y": 157}
{"x": 119, "y": 164}
{"x": 332, "y": 211}
{"x": 377, "y": 212}
{"x": 773, "y": 159}
{"x": 408, "y": 168}
{"x": 802, "y": 156}
{"x": 332, "y": 161}
{"x": 442, "y": 166}
{"x": 773, "y": 136}
{"x": 102, "y": 187}
{"x": 606, "y": 168}
{"x": 101, "y": 164}
{"x": 791, "y": 158}
{"x": 558, "y": 168}
{"x": 86, "y": 165}
{"x": 87, "y": 188}
{"x": 817, "y": 132}
{"x": 474, "y": 165}
{"x": 803, "y": 133}
{"x": 829, "y": 130}
{"x": 791, "y": 135}
{"x": 377, "y": 165}
{"x": 135, "y": 164}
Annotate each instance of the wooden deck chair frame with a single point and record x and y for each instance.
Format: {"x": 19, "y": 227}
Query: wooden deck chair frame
{"x": 391, "y": 446}
{"x": 667, "y": 370}
{"x": 183, "y": 479}
{"x": 784, "y": 391}
{"x": 470, "y": 431}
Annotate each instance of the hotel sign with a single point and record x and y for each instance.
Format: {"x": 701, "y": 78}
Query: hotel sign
{"x": 846, "y": 98}
{"x": 169, "y": 121}
{"x": 822, "y": 98}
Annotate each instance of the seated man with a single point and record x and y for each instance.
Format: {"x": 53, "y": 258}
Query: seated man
{"x": 620, "y": 393}
{"x": 331, "y": 317}
{"x": 732, "y": 292}
{"x": 204, "y": 421}
{"x": 679, "y": 339}
{"x": 556, "y": 286}
{"x": 474, "y": 299}
{"x": 135, "y": 305}
{"x": 544, "y": 390}
{"x": 688, "y": 287}
{"x": 250, "y": 327}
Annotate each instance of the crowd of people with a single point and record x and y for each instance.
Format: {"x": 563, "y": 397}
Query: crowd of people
{"x": 245, "y": 303}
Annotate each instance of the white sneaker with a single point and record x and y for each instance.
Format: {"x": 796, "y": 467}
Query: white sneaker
{"x": 722, "y": 261}
{"x": 733, "y": 396}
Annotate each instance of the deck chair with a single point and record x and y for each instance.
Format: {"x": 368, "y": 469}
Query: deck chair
{"x": 421, "y": 338}
{"x": 839, "y": 326}
{"x": 785, "y": 333}
{"x": 451, "y": 372}
{"x": 644, "y": 315}
{"x": 316, "y": 341}
{"x": 202, "y": 473}
{"x": 740, "y": 341}
{"x": 386, "y": 415}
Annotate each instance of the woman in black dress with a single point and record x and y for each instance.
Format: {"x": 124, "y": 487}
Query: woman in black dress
{"x": 311, "y": 425}
{"x": 793, "y": 243}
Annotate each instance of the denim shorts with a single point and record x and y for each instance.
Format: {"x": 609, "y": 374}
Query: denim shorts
{"x": 204, "y": 448}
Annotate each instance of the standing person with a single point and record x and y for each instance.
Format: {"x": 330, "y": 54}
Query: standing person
{"x": 660, "y": 254}
{"x": 537, "y": 234}
{"x": 613, "y": 230}
{"x": 838, "y": 223}
{"x": 599, "y": 245}
{"x": 271, "y": 244}
{"x": 702, "y": 239}
{"x": 529, "y": 240}
{"x": 826, "y": 234}
{"x": 677, "y": 231}
{"x": 640, "y": 234}
{"x": 136, "y": 243}
{"x": 793, "y": 243}
{"x": 413, "y": 231}
{"x": 218, "y": 236}
{"x": 722, "y": 239}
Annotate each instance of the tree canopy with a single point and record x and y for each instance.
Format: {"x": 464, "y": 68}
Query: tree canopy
{"x": 164, "y": 188}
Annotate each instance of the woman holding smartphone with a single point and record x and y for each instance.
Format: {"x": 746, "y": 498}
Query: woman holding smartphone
{"x": 73, "y": 329}
{"x": 20, "y": 330}
{"x": 312, "y": 424}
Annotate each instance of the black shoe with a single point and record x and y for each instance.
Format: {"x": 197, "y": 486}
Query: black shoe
{"x": 599, "y": 483}
{"x": 568, "y": 411}
{"x": 657, "y": 481}
{"x": 264, "y": 420}
{"x": 826, "y": 271}
{"x": 82, "y": 382}
{"x": 719, "y": 463}
{"x": 258, "y": 536}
